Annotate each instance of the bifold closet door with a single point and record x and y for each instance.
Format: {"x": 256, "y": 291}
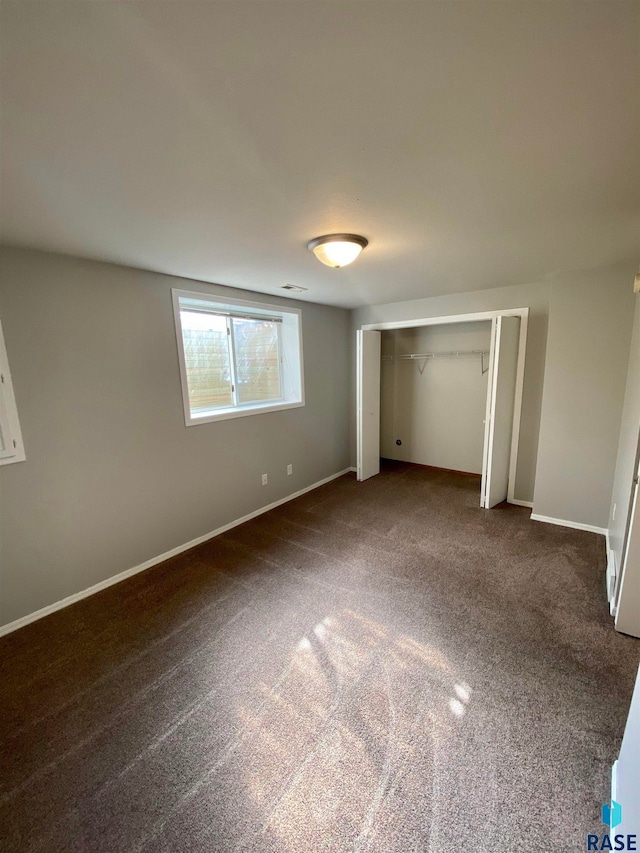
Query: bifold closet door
{"x": 631, "y": 530}
{"x": 368, "y": 394}
{"x": 503, "y": 367}
{"x": 626, "y": 611}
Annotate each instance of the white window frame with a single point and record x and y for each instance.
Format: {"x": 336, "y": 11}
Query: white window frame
{"x": 291, "y": 399}
{"x": 9, "y": 423}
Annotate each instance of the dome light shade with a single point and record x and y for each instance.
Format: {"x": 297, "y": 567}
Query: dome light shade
{"x": 337, "y": 250}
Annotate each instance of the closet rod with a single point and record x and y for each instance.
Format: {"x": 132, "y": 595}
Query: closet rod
{"x": 425, "y": 356}
{"x": 452, "y": 354}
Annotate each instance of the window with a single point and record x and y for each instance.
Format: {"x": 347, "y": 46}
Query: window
{"x": 11, "y": 447}
{"x": 236, "y": 358}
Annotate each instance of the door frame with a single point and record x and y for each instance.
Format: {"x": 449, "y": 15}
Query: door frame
{"x": 523, "y": 313}
{"x": 629, "y": 529}
{"x": 360, "y": 409}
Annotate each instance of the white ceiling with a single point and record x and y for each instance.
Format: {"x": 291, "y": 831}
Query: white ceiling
{"x": 474, "y": 144}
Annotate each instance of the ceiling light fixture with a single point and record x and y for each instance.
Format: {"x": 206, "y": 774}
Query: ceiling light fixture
{"x": 337, "y": 250}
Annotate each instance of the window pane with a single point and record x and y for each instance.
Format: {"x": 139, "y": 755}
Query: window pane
{"x": 256, "y": 367}
{"x": 257, "y": 362}
{"x": 206, "y": 354}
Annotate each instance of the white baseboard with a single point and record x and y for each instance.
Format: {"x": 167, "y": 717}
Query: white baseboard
{"x": 515, "y": 501}
{"x": 78, "y": 596}
{"x": 614, "y": 782}
{"x": 576, "y": 525}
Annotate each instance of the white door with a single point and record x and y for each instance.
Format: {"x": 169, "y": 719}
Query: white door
{"x": 631, "y": 537}
{"x": 503, "y": 368}
{"x": 625, "y": 776}
{"x": 368, "y": 393}
{"x": 624, "y": 609}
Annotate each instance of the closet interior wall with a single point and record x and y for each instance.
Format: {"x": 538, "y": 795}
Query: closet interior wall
{"x": 435, "y": 407}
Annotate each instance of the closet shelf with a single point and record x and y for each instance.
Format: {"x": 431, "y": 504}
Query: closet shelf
{"x": 423, "y": 357}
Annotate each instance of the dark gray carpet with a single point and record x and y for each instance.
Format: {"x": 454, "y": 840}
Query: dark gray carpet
{"x": 373, "y": 667}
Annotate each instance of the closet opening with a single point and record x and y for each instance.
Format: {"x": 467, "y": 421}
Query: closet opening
{"x": 433, "y": 395}
{"x": 444, "y": 393}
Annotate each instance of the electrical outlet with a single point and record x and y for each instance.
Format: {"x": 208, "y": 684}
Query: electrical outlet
{"x": 289, "y": 470}
{"x": 265, "y": 479}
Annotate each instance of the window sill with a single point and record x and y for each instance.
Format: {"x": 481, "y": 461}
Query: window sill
{"x": 227, "y": 414}
{"x": 19, "y": 456}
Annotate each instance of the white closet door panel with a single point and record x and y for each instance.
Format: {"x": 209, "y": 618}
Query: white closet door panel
{"x": 627, "y": 613}
{"x": 500, "y": 403}
{"x": 625, "y": 777}
{"x": 368, "y": 372}
{"x": 632, "y": 521}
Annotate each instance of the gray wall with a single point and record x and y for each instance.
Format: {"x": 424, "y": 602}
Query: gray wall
{"x": 536, "y": 297}
{"x": 591, "y": 318}
{"x": 113, "y": 477}
{"x": 438, "y": 413}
